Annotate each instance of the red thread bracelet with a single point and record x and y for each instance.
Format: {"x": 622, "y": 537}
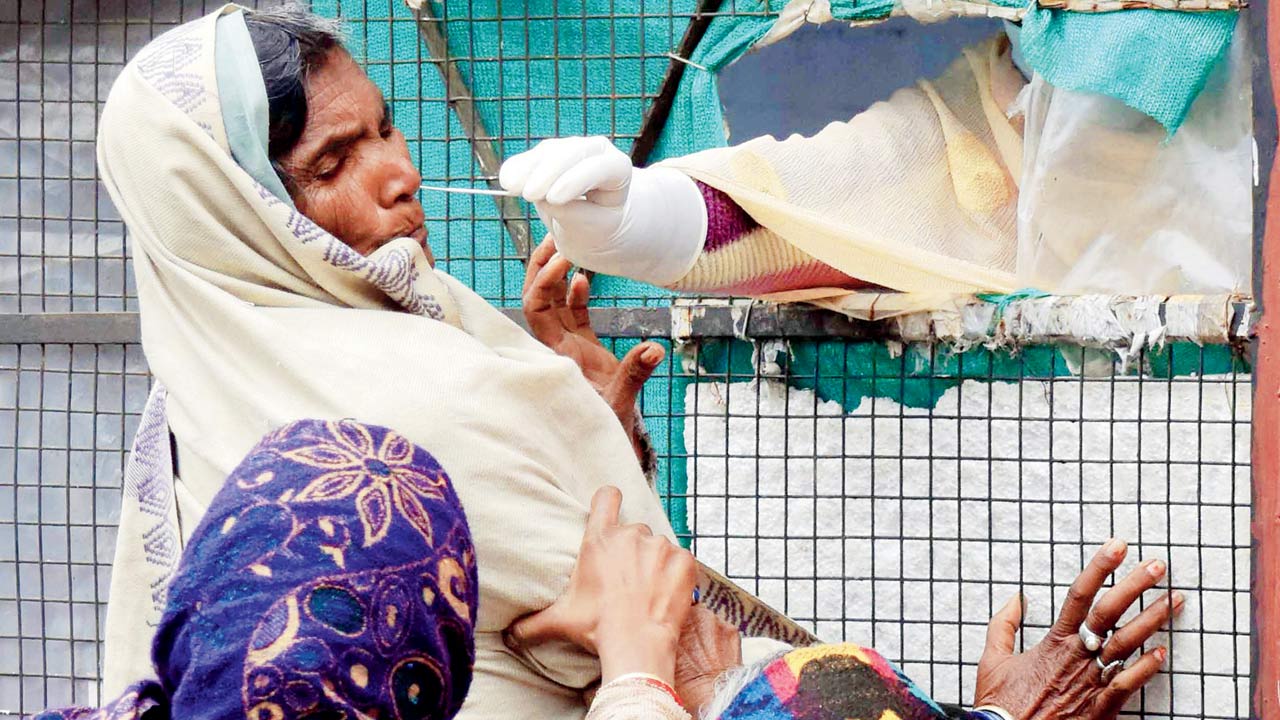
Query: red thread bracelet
{"x": 652, "y": 681}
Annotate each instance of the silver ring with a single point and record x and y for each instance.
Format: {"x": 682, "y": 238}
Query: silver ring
{"x": 1093, "y": 642}
{"x": 1109, "y": 670}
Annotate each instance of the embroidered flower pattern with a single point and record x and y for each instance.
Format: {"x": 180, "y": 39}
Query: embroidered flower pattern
{"x": 383, "y": 479}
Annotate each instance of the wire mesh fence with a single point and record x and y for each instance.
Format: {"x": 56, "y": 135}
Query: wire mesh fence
{"x": 67, "y": 414}
{"x": 893, "y": 499}
{"x": 900, "y": 502}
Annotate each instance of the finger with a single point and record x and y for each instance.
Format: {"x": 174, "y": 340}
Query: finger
{"x": 685, "y": 568}
{"x": 1081, "y": 593}
{"x": 540, "y": 256}
{"x": 552, "y": 623}
{"x": 677, "y": 577}
{"x": 608, "y": 171}
{"x": 1114, "y": 602}
{"x": 729, "y": 635}
{"x": 559, "y": 156}
{"x": 547, "y": 291}
{"x": 636, "y": 368}
{"x": 579, "y": 294}
{"x": 605, "y": 505}
{"x": 639, "y": 529}
{"x": 580, "y": 228}
{"x": 1137, "y": 631}
{"x": 545, "y": 298}
{"x": 515, "y": 170}
{"x": 1002, "y": 631}
{"x": 681, "y": 572}
{"x": 1129, "y": 680}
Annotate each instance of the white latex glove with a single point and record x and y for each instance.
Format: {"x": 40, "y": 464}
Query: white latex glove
{"x": 643, "y": 223}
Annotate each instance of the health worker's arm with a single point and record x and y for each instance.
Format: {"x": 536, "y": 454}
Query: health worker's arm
{"x": 656, "y": 225}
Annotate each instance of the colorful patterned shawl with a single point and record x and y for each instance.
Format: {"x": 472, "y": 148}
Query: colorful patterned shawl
{"x": 834, "y": 682}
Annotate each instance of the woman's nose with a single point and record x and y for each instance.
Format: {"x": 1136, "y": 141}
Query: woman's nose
{"x": 399, "y": 179}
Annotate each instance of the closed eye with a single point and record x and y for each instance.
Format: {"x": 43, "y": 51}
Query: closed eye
{"x": 331, "y": 168}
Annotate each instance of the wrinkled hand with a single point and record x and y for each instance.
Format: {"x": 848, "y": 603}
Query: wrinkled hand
{"x": 627, "y": 598}
{"x": 556, "y": 310}
{"x": 708, "y": 647}
{"x": 1059, "y": 677}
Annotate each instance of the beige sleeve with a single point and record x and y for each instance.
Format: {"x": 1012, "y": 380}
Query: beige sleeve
{"x": 633, "y": 699}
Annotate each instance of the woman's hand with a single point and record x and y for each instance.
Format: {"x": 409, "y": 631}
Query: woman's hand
{"x": 627, "y": 598}
{"x": 708, "y": 647}
{"x": 556, "y": 311}
{"x": 1060, "y": 677}
{"x": 648, "y": 223}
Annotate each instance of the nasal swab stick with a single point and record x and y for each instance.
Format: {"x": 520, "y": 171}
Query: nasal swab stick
{"x": 475, "y": 191}
{"x": 471, "y": 191}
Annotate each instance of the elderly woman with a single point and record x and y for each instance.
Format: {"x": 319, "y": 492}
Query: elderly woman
{"x": 283, "y": 273}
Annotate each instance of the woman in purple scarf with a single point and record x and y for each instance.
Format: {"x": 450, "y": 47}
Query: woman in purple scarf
{"x": 332, "y": 577}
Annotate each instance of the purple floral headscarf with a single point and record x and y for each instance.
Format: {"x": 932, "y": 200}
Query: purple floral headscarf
{"x": 333, "y": 576}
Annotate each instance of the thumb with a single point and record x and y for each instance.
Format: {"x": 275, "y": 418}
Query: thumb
{"x": 1003, "y": 628}
{"x": 555, "y": 622}
{"x": 632, "y": 373}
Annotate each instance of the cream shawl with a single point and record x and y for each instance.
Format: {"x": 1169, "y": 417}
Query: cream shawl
{"x": 252, "y": 316}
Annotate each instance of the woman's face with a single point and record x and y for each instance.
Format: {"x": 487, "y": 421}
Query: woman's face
{"x": 350, "y": 168}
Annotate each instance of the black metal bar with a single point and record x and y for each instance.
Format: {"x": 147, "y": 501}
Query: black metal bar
{"x": 70, "y": 328}
{"x": 656, "y": 117}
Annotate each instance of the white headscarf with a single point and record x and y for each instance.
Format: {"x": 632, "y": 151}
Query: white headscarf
{"x": 253, "y": 316}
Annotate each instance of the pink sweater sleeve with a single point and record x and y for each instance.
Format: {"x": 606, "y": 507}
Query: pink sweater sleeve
{"x": 741, "y": 257}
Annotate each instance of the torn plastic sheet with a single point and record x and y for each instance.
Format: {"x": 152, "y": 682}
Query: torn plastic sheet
{"x": 1109, "y": 202}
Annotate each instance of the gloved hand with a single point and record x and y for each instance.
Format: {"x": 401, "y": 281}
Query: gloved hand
{"x": 643, "y": 223}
